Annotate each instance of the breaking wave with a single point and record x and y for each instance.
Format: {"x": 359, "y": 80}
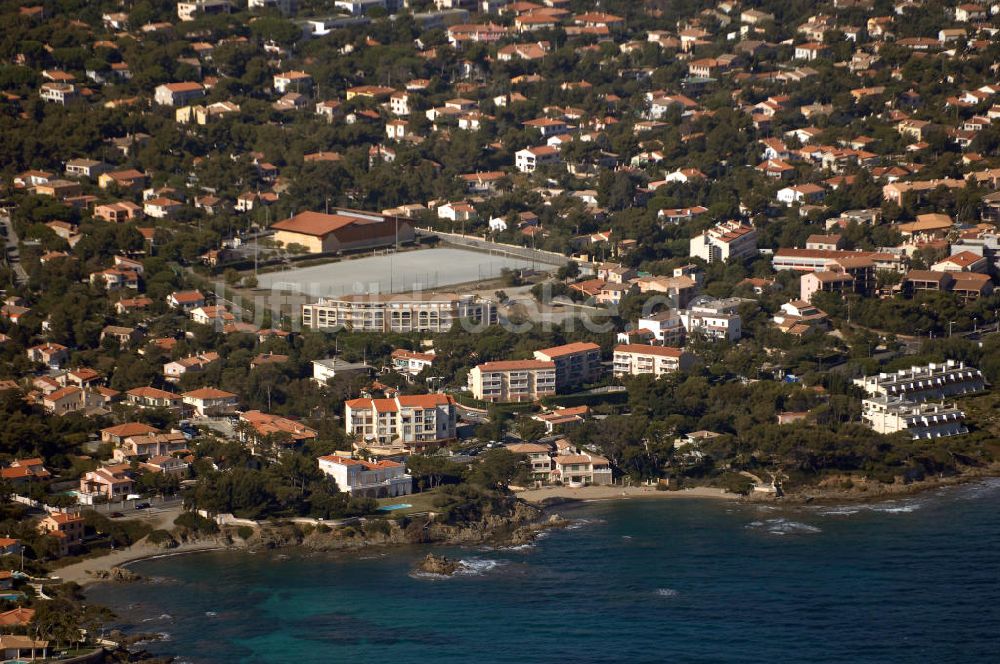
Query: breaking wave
{"x": 784, "y": 527}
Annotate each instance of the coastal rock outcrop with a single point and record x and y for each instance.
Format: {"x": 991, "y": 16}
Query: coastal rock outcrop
{"x": 117, "y": 574}
{"x": 441, "y": 565}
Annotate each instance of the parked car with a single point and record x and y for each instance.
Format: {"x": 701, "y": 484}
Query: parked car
{"x": 142, "y": 506}
{"x": 116, "y": 515}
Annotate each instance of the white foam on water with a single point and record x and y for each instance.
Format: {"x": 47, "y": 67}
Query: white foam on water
{"x": 162, "y": 616}
{"x": 782, "y": 526}
{"x": 428, "y": 576}
{"x": 892, "y": 507}
{"x": 478, "y": 566}
{"x": 838, "y": 511}
{"x": 165, "y": 636}
{"x": 667, "y": 592}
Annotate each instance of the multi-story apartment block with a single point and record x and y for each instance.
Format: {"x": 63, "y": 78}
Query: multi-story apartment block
{"x": 515, "y": 380}
{"x": 412, "y": 419}
{"x": 934, "y": 381}
{"x": 923, "y": 421}
{"x": 412, "y": 312}
{"x": 576, "y": 363}
{"x": 730, "y": 239}
{"x": 636, "y": 359}
{"x": 816, "y": 260}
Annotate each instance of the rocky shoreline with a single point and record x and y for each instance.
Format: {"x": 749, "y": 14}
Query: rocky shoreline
{"x": 855, "y": 490}
{"x": 519, "y": 523}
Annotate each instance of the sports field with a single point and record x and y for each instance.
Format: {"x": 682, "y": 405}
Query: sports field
{"x": 425, "y": 269}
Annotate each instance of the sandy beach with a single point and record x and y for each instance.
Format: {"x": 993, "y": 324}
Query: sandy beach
{"x": 83, "y": 571}
{"x": 619, "y": 493}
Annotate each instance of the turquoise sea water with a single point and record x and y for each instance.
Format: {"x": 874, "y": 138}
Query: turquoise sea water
{"x": 911, "y": 580}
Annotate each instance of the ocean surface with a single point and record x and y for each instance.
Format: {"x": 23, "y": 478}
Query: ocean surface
{"x": 910, "y": 580}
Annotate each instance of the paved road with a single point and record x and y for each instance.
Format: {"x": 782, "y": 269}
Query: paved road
{"x": 11, "y": 240}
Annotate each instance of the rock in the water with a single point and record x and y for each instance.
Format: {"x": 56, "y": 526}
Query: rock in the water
{"x": 438, "y": 565}
{"x": 117, "y": 574}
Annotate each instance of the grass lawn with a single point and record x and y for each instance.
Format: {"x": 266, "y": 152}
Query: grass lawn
{"x": 420, "y": 502}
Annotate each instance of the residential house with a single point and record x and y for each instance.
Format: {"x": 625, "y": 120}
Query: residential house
{"x": 178, "y": 94}
{"x": 581, "y": 470}
{"x": 381, "y": 479}
{"x": 111, "y": 484}
{"x": 186, "y": 300}
{"x": 50, "y": 354}
{"x": 151, "y": 397}
{"x": 67, "y": 529}
{"x": 537, "y": 458}
{"x": 211, "y": 402}
{"x": 410, "y": 362}
{"x": 266, "y": 426}
{"x": 120, "y": 432}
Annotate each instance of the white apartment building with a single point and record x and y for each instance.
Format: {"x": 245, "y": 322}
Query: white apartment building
{"x": 666, "y": 326}
{"x": 58, "y": 93}
{"x": 189, "y": 11}
{"x": 715, "y": 319}
{"x": 818, "y": 260}
{"x": 636, "y": 359}
{"x": 412, "y": 312}
{"x": 513, "y": 380}
{"x": 415, "y": 418}
{"x": 934, "y": 381}
{"x": 923, "y": 421}
{"x": 729, "y": 239}
{"x": 292, "y": 81}
{"x": 381, "y": 479}
{"x": 399, "y": 103}
{"x": 576, "y": 363}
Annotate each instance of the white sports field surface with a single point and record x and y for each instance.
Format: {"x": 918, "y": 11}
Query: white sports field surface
{"x": 424, "y": 269}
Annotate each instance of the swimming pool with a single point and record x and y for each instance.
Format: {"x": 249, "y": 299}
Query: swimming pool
{"x": 391, "y": 508}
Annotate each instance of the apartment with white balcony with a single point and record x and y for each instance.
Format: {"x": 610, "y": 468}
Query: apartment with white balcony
{"x": 637, "y": 359}
{"x": 410, "y": 420}
{"x": 930, "y": 382}
{"x": 729, "y": 239}
{"x": 405, "y": 312}
{"x": 515, "y": 380}
{"x": 922, "y": 421}
{"x": 576, "y": 363}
